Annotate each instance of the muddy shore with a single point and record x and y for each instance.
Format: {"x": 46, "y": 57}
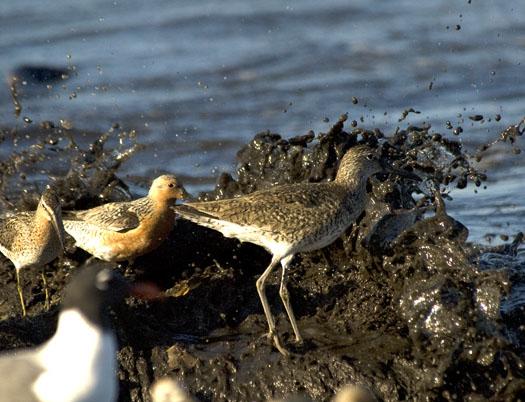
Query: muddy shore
{"x": 403, "y": 304}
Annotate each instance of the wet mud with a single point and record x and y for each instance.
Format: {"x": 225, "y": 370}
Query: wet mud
{"x": 401, "y": 303}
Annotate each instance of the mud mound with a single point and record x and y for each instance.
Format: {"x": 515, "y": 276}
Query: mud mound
{"x": 402, "y": 304}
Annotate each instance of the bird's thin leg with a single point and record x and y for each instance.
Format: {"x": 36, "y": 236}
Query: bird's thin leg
{"x": 285, "y": 297}
{"x": 46, "y": 289}
{"x": 261, "y": 284}
{"x": 20, "y": 294}
{"x": 327, "y": 257}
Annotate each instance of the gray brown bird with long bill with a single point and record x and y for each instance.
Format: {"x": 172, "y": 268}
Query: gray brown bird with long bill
{"x": 290, "y": 219}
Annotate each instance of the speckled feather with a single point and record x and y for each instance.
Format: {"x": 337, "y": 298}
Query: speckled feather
{"x": 293, "y": 212}
{"x": 25, "y": 241}
{"x": 117, "y": 216}
{"x": 12, "y": 226}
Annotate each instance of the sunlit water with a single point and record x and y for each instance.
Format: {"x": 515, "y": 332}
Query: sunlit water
{"x": 198, "y": 79}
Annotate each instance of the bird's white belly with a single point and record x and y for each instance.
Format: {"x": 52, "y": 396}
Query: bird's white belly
{"x": 255, "y": 235}
{"x": 79, "y": 363}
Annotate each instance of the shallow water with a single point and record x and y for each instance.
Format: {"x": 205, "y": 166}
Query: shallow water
{"x": 198, "y": 80}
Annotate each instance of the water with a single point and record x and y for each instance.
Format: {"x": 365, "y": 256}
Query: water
{"x": 198, "y": 79}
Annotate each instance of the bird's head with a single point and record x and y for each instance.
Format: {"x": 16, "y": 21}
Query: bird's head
{"x": 167, "y": 188}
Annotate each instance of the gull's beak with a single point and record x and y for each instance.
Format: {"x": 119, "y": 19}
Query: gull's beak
{"x": 146, "y": 291}
{"x": 400, "y": 172}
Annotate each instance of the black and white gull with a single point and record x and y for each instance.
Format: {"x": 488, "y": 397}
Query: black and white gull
{"x": 78, "y": 363}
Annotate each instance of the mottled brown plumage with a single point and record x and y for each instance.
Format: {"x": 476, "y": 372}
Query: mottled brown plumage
{"x": 117, "y": 217}
{"x": 125, "y": 230}
{"x": 291, "y": 218}
{"x": 33, "y": 238}
{"x": 290, "y": 213}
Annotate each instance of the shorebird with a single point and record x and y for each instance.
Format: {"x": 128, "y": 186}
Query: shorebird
{"x": 78, "y": 363}
{"x": 293, "y": 218}
{"x": 121, "y": 231}
{"x": 33, "y": 239}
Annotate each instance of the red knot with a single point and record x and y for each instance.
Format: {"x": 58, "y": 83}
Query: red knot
{"x": 121, "y": 231}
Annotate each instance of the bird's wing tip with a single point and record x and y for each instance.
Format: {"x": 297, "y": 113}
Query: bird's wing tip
{"x": 186, "y": 210}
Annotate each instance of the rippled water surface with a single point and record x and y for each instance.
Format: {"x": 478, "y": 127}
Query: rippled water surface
{"x": 198, "y": 79}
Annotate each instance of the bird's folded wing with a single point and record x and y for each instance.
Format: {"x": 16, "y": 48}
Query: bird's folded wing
{"x": 263, "y": 207}
{"x": 117, "y": 217}
{"x": 190, "y": 210}
{"x": 18, "y": 374}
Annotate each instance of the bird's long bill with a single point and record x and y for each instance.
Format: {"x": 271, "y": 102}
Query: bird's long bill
{"x": 406, "y": 174}
{"x": 400, "y": 172}
{"x": 184, "y": 195}
{"x": 57, "y": 225}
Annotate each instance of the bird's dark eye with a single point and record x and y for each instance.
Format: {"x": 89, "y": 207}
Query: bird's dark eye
{"x": 171, "y": 185}
{"x": 370, "y": 157}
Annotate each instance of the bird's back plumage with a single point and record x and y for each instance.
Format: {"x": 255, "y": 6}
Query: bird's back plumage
{"x": 292, "y": 213}
{"x": 115, "y": 216}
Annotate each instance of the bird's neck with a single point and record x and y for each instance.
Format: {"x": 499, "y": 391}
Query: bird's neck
{"x": 76, "y": 359}
{"x": 42, "y": 220}
{"x": 160, "y": 209}
{"x": 44, "y": 229}
{"x": 161, "y": 203}
{"x": 353, "y": 179}
{"x": 352, "y": 187}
